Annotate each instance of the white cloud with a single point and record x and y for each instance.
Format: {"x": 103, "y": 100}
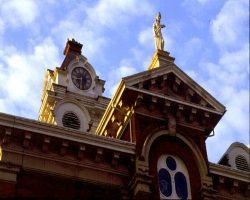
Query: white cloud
{"x": 231, "y": 23}
{"x": 234, "y": 126}
{"x": 23, "y": 73}
{"x": 116, "y": 74}
{"x": 193, "y": 43}
{"x": 238, "y": 115}
{"x": 140, "y": 58}
{"x": 203, "y": 1}
{"x": 110, "y": 13}
{"x": 236, "y": 61}
{"x": 193, "y": 74}
{"x": 228, "y": 78}
{"x": 19, "y": 12}
{"x": 97, "y": 20}
{"x": 231, "y": 71}
{"x": 99, "y": 23}
{"x": 191, "y": 47}
{"x": 2, "y": 26}
{"x": 125, "y": 71}
{"x": 192, "y": 4}
{"x": 146, "y": 37}
{"x": 94, "y": 43}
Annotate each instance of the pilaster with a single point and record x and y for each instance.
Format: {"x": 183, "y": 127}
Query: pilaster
{"x": 207, "y": 192}
{"x": 141, "y": 181}
{"x": 8, "y": 180}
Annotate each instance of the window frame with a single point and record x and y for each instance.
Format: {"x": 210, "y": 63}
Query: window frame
{"x": 78, "y": 120}
{"x": 180, "y": 167}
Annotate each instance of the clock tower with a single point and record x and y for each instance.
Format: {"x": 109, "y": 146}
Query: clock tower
{"x": 72, "y": 93}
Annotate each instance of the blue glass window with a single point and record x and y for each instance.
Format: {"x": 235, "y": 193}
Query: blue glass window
{"x": 165, "y": 182}
{"x": 173, "y": 178}
{"x": 181, "y": 185}
{"x": 171, "y": 163}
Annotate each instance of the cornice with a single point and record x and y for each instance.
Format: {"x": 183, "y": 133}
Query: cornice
{"x": 63, "y": 160}
{"x": 110, "y": 109}
{"x": 156, "y": 72}
{"x": 235, "y": 145}
{"x": 175, "y": 100}
{"x": 229, "y": 172}
{"x": 86, "y": 100}
{"x": 35, "y": 126}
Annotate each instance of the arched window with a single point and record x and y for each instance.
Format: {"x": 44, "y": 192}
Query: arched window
{"x": 173, "y": 178}
{"x": 71, "y": 120}
{"x": 241, "y": 163}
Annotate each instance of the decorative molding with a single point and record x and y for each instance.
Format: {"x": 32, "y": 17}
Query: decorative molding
{"x": 171, "y": 99}
{"x": 225, "y": 171}
{"x": 8, "y": 172}
{"x": 129, "y": 81}
{"x": 48, "y": 130}
{"x": 203, "y": 170}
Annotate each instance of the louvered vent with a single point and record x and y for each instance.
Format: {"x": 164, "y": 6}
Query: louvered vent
{"x": 241, "y": 163}
{"x": 70, "y": 120}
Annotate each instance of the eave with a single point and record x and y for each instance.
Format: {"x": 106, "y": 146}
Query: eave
{"x": 36, "y": 127}
{"x": 31, "y": 145}
{"x": 175, "y": 100}
{"x": 228, "y": 172}
{"x": 110, "y": 109}
{"x": 160, "y": 71}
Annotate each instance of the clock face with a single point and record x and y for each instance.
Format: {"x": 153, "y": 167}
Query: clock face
{"x": 81, "y": 78}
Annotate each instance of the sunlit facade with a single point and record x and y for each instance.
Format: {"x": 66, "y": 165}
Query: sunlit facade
{"x": 146, "y": 142}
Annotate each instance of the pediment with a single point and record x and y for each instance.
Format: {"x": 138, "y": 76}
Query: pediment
{"x": 171, "y": 82}
{"x": 163, "y": 92}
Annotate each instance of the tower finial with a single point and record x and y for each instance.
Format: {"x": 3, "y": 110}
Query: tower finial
{"x": 157, "y": 26}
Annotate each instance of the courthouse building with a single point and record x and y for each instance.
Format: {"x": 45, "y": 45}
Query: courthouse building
{"x": 147, "y": 142}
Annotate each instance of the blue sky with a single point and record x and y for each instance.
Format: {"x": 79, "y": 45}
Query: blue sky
{"x": 208, "y": 38}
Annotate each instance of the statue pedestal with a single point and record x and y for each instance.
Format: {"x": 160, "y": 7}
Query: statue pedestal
{"x": 161, "y": 58}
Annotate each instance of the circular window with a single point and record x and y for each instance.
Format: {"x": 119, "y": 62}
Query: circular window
{"x": 241, "y": 163}
{"x": 71, "y": 120}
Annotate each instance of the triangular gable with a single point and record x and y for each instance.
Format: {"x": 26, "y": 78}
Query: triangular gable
{"x": 163, "y": 87}
{"x": 178, "y": 77}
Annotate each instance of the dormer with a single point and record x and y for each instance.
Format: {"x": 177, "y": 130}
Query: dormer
{"x": 237, "y": 157}
{"x": 169, "y": 117}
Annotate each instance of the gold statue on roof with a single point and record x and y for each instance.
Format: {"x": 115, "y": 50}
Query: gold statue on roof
{"x": 157, "y": 26}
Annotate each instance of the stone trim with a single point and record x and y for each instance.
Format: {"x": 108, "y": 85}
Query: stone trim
{"x": 67, "y": 134}
{"x": 226, "y": 171}
{"x": 8, "y": 172}
{"x": 200, "y": 160}
{"x": 175, "y": 100}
